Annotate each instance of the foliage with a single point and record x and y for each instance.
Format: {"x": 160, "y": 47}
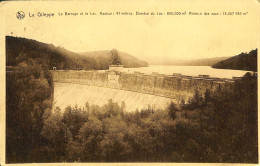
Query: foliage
{"x": 22, "y": 50}
{"x": 32, "y": 132}
{"x": 28, "y": 101}
{"x": 220, "y": 126}
{"x": 243, "y": 61}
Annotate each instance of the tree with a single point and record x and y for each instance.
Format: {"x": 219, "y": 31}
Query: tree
{"x": 182, "y": 104}
{"x": 114, "y": 147}
{"x": 172, "y": 109}
{"x": 90, "y": 135}
{"x": 207, "y": 96}
{"x": 52, "y": 126}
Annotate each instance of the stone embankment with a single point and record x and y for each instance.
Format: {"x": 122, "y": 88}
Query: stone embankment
{"x": 175, "y": 86}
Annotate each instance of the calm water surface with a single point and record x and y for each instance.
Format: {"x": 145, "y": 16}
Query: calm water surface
{"x": 189, "y": 70}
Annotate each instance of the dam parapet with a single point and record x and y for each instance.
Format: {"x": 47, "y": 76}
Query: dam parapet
{"x": 175, "y": 86}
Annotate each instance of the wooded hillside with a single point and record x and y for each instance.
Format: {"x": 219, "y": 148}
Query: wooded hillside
{"x": 243, "y": 61}
{"x": 21, "y": 51}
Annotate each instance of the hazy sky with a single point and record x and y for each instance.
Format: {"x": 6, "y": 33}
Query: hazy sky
{"x": 146, "y": 37}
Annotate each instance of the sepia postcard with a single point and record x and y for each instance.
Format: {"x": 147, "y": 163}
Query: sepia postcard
{"x": 129, "y": 82}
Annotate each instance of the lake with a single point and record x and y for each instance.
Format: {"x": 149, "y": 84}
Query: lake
{"x": 189, "y": 70}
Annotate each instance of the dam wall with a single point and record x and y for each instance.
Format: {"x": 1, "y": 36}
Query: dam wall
{"x": 175, "y": 86}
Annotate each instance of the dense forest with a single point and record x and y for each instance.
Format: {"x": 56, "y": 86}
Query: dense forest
{"x": 29, "y": 92}
{"x": 26, "y": 51}
{"x": 243, "y": 61}
{"x": 219, "y": 126}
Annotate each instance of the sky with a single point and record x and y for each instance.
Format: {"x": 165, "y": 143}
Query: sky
{"x": 149, "y": 38}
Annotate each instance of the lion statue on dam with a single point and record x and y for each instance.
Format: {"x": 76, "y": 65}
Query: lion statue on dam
{"x": 115, "y": 57}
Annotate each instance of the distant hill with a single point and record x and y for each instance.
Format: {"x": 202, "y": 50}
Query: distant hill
{"x": 192, "y": 62}
{"x": 103, "y": 58}
{"x": 22, "y": 51}
{"x": 243, "y": 61}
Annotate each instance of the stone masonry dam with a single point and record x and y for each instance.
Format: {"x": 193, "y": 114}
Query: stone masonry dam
{"x": 175, "y": 86}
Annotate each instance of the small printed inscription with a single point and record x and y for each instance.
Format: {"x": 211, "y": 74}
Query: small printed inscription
{"x": 41, "y": 14}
